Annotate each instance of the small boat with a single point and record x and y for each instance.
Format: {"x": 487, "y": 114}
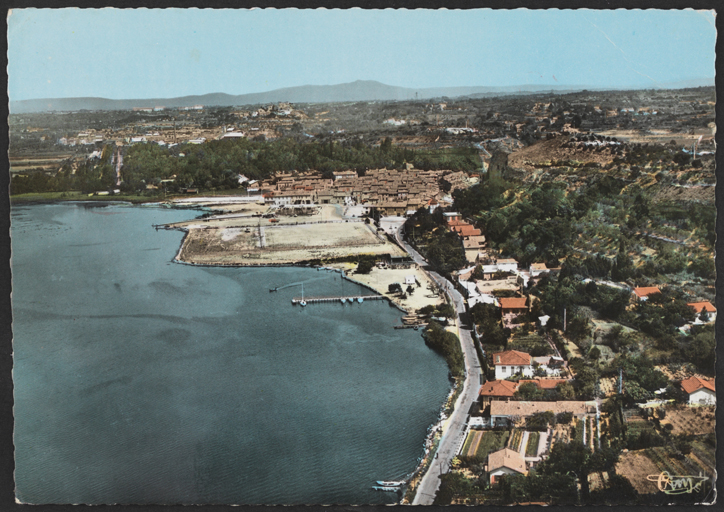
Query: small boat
{"x": 360, "y": 299}
{"x": 273, "y": 289}
{"x": 385, "y": 488}
{"x": 302, "y": 302}
{"x": 343, "y": 300}
{"x": 391, "y": 483}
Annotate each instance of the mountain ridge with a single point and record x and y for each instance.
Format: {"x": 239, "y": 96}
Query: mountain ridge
{"x": 359, "y": 90}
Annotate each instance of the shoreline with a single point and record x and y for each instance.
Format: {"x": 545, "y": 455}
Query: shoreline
{"x": 434, "y": 430}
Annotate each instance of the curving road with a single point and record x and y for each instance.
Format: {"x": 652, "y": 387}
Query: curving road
{"x": 454, "y": 427}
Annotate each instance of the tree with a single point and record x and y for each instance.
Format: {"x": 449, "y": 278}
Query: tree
{"x": 529, "y": 391}
{"x": 540, "y": 420}
{"x": 594, "y": 353}
{"x": 565, "y": 391}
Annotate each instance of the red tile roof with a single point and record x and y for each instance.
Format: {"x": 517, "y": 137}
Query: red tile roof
{"x": 544, "y": 383}
{"x": 511, "y": 357}
{"x": 506, "y": 458}
{"x": 693, "y": 384}
{"x": 512, "y": 303}
{"x": 645, "y": 291}
{"x": 699, "y": 306}
{"x": 498, "y": 388}
{"x": 469, "y": 231}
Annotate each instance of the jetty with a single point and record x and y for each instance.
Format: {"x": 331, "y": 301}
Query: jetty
{"x": 340, "y": 298}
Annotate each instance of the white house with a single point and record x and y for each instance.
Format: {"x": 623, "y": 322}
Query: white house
{"x": 507, "y": 265}
{"x": 503, "y": 265}
{"x": 701, "y": 307}
{"x": 505, "y": 462}
{"x": 700, "y": 391}
{"x": 537, "y": 269}
{"x": 510, "y": 362}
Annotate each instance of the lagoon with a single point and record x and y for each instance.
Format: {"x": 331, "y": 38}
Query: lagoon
{"x": 140, "y": 380}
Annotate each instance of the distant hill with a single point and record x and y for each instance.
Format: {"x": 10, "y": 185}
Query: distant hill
{"x": 361, "y": 90}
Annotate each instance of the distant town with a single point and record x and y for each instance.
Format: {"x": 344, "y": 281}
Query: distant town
{"x": 557, "y": 249}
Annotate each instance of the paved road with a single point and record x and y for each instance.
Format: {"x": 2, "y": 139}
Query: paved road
{"x": 454, "y": 428}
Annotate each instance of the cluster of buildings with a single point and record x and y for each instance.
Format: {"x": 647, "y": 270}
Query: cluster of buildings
{"x": 473, "y": 239}
{"x": 704, "y": 311}
{"x": 498, "y": 403}
{"x": 385, "y": 192}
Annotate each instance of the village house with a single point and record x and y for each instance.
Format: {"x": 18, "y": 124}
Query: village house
{"x": 501, "y": 265}
{"x": 537, "y": 269}
{"x": 451, "y": 216}
{"x": 512, "y": 362}
{"x": 700, "y": 391}
{"x": 496, "y": 390}
{"x": 504, "y": 462}
{"x": 705, "y": 309}
{"x": 506, "y": 389}
{"x": 513, "y": 305}
{"x": 505, "y": 412}
{"x": 643, "y": 293}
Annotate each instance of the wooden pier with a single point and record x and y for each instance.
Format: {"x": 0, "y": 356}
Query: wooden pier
{"x": 410, "y": 326}
{"x": 344, "y": 299}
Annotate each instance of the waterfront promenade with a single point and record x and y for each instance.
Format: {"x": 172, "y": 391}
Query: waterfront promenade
{"x": 454, "y": 427}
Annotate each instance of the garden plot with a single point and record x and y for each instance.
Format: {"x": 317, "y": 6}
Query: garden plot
{"x": 532, "y": 344}
{"x": 479, "y": 443}
{"x": 608, "y": 386}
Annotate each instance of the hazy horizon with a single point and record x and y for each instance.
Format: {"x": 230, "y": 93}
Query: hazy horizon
{"x": 169, "y": 53}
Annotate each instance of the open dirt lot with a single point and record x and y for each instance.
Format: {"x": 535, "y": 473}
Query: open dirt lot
{"x": 636, "y": 466}
{"x": 222, "y": 244}
{"x": 690, "y": 420}
{"x": 380, "y": 278}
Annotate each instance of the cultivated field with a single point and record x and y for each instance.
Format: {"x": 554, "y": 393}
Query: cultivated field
{"x": 690, "y": 420}
{"x": 480, "y": 443}
{"x": 636, "y": 466}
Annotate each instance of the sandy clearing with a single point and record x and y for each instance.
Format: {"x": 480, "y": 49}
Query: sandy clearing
{"x": 380, "y": 278}
{"x": 321, "y": 235}
{"x": 280, "y": 244}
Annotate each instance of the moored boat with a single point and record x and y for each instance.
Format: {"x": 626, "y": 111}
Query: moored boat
{"x": 391, "y": 483}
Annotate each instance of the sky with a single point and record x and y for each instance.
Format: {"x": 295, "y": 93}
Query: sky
{"x": 165, "y": 53}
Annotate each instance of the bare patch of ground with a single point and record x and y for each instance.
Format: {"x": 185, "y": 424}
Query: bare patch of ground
{"x": 380, "y": 278}
{"x": 636, "y": 466}
{"x": 690, "y": 420}
{"x": 282, "y": 244}
{"x": 552, "y": 150}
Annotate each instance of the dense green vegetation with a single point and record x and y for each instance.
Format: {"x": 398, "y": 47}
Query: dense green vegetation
{"x": 555, "y": 479}
{"x": 215, "y": 164}
{"x": 441, "y": 247}
{"x": 446, "y": 344}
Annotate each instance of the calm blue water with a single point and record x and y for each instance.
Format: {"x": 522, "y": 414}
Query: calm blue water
{"x": 138, "y": 380}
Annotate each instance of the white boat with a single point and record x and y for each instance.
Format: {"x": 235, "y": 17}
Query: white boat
{"x": 385, "y": 488}
{"x": 391, "y": 483}
{"x": 343, "y": 300}
{"x": 302, "y": 302}
{"x": 360, "y": 299}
